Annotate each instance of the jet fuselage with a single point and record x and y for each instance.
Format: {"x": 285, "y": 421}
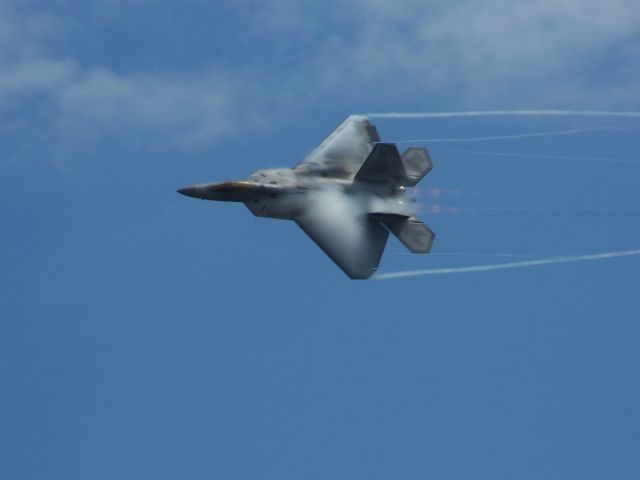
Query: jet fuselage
{"x": 283, "y": 193}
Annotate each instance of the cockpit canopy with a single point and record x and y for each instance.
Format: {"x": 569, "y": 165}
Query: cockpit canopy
{"x": 275, "y": 176}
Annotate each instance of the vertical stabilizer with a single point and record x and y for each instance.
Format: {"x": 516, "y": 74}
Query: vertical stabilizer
{"x": 417, "y": 164}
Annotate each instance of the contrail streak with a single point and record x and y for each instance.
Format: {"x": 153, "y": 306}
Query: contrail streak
{"x": 544, "y": 209}
{"x": 533, "y": 155}
{"x": 503, "y": 266}
{"x": 518, "y": 135}
{"x": 496, "y": 113}
{"x": 467, "y": 254}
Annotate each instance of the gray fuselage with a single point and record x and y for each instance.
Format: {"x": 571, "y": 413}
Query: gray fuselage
{"x": 284, "y": 193}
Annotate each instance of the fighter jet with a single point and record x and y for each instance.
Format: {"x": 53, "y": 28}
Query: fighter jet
{"x": 347, "y": 195}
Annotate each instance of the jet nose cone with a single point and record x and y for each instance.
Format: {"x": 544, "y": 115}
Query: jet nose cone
{"x": 226, "y": 191}
{"x": 188, "y": 191}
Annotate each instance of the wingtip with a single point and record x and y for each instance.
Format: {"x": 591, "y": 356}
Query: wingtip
{"x": 359, "y": 117}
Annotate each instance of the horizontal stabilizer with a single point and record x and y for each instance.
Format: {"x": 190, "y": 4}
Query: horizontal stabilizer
{"x": 413, "y": 234}
{"x": 417, "y": 164}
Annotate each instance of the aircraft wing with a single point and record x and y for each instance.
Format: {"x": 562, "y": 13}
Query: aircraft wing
{"x": 344, "y": 151}
{"x": 353, "y": 241}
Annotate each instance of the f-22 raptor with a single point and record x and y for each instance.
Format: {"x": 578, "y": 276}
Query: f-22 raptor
{"x": 347, "y": 195}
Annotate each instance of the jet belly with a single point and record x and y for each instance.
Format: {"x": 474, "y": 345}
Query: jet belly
{"x": 284, "y": 203}
{"x": 286, "y": 194}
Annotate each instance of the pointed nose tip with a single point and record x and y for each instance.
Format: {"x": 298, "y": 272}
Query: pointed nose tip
{"x": 188, "y": 191}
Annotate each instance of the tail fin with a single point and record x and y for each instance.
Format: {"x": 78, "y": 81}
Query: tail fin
{"x": 417, "y": 164}
{"x": 385, "y": 165}
{"x": 413, "y": 234}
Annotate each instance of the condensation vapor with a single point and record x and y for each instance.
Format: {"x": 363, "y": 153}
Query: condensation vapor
{"x": 496, "y": 113}
{"x": 339, "y": 220}
{"x": 334, "y": 211}
{"x": 470, "y": 254}
{"x": 536, "y": 156}
{"x": 519, "y": 135}
{"x": 331, "y": 203}
{"x": 546, "y": 209}
{"x": 504, "y": 266}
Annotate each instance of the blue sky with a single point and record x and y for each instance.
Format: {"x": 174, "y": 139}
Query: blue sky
{"x": 147, "y": 335}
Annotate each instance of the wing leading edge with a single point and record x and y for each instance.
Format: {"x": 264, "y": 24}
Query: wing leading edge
{"x": 344, "y": 151}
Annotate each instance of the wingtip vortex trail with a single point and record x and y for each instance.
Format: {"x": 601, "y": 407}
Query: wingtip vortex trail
{"x": 516, "y": 136}
{"x": 496, "y": 113}
{"x": 504, "y": 266}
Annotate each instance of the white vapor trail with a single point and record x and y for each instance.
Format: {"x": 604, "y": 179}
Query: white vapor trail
{"x": 518, "y": 135}
{"x": 534, "y": 155}
{"x": 545, "y": 209}
{"x": 503, "y": 266}
{"x": 468, "y": 254}
{"x": 496, "y": 113}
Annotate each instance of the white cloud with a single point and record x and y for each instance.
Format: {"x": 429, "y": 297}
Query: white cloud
{"x": 543, "y": 52}
{"x": 181, "y": 109}
{"x": 189, "y": 110}
{"x": 35, "y": 75}
{"x": 387, "y": 54}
